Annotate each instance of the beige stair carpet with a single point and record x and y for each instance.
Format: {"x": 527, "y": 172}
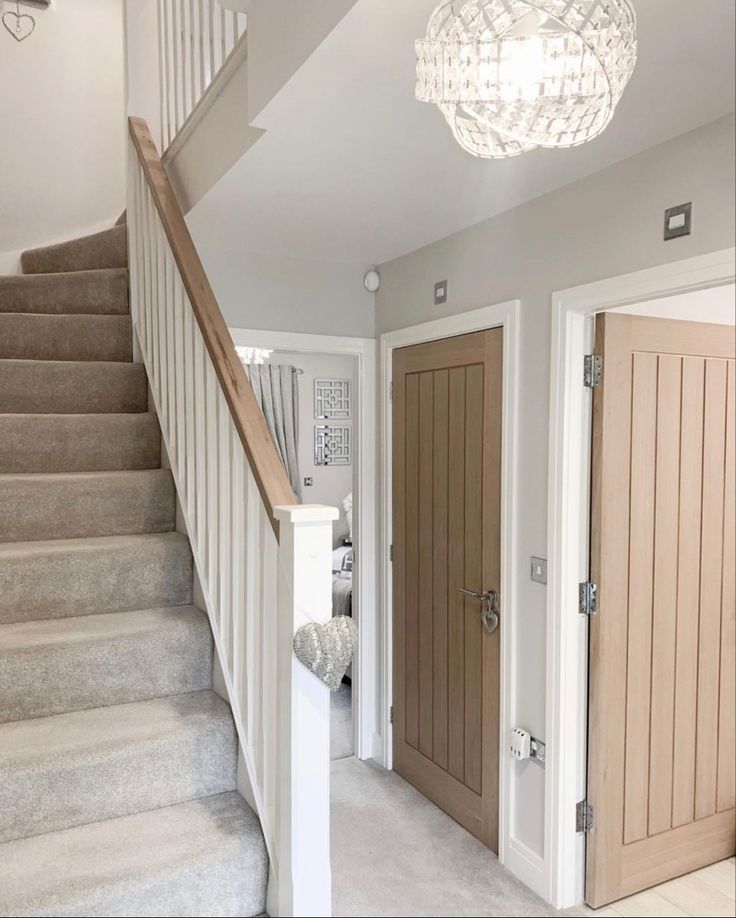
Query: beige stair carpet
{"x": 118, "y": 762}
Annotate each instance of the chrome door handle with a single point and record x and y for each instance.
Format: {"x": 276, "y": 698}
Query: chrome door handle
{"x": 481, "y": 597}
{"x": 490, "y": 607}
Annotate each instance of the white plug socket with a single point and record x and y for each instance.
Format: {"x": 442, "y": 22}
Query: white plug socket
{"x": 521, "y": 744}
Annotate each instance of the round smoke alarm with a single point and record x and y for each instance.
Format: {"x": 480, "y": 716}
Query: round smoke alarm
{"x": 372, "y": 280}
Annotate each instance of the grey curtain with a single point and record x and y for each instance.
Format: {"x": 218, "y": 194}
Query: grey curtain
{"x": 277, "y": 392}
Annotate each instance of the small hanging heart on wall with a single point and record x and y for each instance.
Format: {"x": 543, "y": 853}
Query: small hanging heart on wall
{"x": 20, "y": 25}
{"x": 327, "y": 650}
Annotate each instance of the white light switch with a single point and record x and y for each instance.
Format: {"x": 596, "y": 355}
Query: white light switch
{"x": 678, "y": 221}
{"x": 539, "y": 570}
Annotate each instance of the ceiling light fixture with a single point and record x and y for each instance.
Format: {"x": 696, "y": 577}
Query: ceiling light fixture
{"x": 513, "y": 75}
{"x": 254, "y": 355}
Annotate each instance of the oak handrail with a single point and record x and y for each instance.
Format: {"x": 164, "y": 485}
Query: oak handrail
{"x": 265, "y": 462}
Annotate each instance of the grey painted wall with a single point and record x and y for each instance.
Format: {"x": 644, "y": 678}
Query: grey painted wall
{"x": 287, "y": 294}
{"x": 608, "y": 224}
{"x": 330, "y": 484}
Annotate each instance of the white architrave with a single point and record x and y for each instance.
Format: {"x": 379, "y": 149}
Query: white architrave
{"x": 569, "y": 485}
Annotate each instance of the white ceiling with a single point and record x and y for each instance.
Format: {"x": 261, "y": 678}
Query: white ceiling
{"x": 353, "y": 169}
{"x": 714, "y": 304}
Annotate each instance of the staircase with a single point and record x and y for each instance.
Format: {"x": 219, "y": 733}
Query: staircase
{"x": 117, "y": 760}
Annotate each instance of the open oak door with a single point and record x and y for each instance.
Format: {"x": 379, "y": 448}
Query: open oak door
{"x": 446, "y": 573}
{"x": 661, "y": 709}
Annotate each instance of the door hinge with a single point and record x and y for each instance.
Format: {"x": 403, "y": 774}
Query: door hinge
{"x": 593, "y": 371}
{"x": 588, "y": 598}
{"x": 584, "y": 821}
{"x": 391, "y": 714}
{"x": 390, "y": 390}
{"x": 390, "y": 553}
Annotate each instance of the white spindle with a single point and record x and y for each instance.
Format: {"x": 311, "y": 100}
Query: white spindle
{"x": 175, "y": 66}
{"x": 170, "y": 375}
{"x": 201, "y": 420}
{"x": 213, "y": 475}
{"x": 160, "y": 321}
{"x": 191, "y": 451}
{"x": 179, "y": 366}
{"x": 224, "y": 496}
{"x": 237, "y": 556}
{"x": 201, "y": 39}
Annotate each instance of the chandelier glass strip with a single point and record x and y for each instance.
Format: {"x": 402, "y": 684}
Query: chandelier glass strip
{"x": 513, "y": 75}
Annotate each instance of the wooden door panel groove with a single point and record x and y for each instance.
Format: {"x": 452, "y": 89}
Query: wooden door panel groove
{"x": 473, "y": 572}
{"x": 456, "y": 554}
{"x": 664, "y": 623}
{"x": 706, "y": 741}
{"x": 440, "y": 472}
{"x": 726, "y": 780}
{"x": 425, "y": 594}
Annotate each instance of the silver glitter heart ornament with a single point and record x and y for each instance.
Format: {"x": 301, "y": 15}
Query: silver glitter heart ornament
{"x": 327, "y": 650}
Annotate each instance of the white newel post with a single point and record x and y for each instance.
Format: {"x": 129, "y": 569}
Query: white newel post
{"x": 303, "y": 757}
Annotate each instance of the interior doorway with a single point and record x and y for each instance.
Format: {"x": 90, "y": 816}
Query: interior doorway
{"x": 698, "y": 289}
{"x": 334, "y": 383}
{"x": 494, "y": 332}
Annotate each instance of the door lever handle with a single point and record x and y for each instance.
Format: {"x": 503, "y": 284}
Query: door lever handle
{"x": 490, "y": 607}
{"x": 481, "y": 597}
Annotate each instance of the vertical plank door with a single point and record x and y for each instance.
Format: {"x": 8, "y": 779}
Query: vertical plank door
{"x": 446, "y": 531}
{"x": 661, "y": 708}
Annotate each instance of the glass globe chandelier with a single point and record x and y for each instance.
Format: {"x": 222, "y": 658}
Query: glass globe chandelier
{"x": 513, "y": 75}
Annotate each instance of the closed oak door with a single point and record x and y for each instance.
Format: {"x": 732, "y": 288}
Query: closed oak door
{"x": 661, "y": 710}
{"x": 446, "y": 532}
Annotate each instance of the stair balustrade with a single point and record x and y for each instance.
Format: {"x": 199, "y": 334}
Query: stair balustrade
{"x": 195, "y": 39}
{"x": 263, "y": 560}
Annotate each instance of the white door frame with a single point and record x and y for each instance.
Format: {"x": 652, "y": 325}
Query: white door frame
{"x": 568, "y": 515}
{"x": 505, "y": 315}
{"x": 365, "y": 704}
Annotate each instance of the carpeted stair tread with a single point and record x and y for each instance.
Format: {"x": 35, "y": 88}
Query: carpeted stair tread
{"x": 24, "y": 336}
{"x": 108, "y": 249}
{"x": 100, "y": 292}
{"x": 71, "y": 769}
{"x": 75, "y": 505}
{"x": 118, "y": 761}
{"x": 71, "y": 664}
{"x": 63, "y": 578}
{"x": 79, "y": 442}
{"x": 69, "y": 387}
{"x": 201, "y": 858}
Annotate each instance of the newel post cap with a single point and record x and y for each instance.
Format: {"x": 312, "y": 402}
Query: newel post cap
{"x": 306, "y": 513}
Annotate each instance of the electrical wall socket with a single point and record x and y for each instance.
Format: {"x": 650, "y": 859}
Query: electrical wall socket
{"x": 521, "y": 744}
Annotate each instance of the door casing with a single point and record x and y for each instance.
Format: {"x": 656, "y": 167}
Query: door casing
{"x": 567, "y": 542}
{"x": 514, "y": 854}
{"x": 365, "y": 665}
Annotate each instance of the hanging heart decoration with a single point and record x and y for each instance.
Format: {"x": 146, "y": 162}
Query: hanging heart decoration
{"x": 20, "y": 25}
{"x": 327, "y": 650}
